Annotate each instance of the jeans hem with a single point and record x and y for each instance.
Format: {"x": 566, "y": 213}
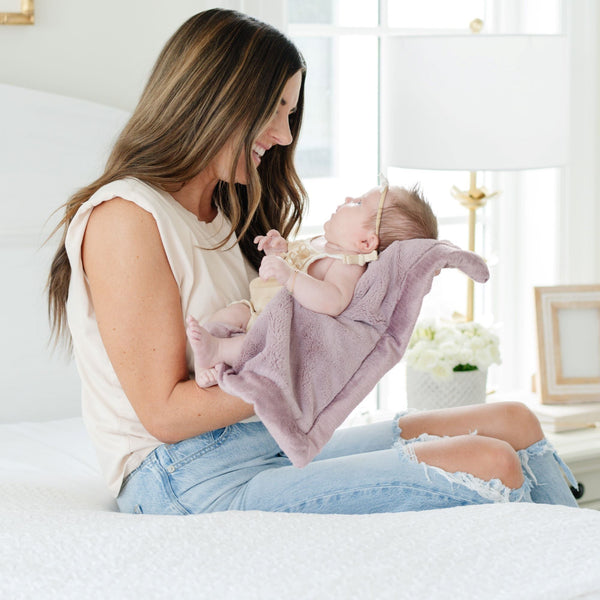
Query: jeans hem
{"x": 539, "y": 449}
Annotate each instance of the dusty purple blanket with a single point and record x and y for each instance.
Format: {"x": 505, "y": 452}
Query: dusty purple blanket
{"x": 305, "y": 372}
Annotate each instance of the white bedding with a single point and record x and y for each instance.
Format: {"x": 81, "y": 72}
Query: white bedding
{"x": 60, "y": 537}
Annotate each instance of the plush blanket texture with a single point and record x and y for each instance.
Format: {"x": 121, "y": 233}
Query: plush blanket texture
{"x": 305, "y": 372}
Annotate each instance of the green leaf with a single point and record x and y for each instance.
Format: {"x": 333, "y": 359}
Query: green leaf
{"x": 465, "y": 367}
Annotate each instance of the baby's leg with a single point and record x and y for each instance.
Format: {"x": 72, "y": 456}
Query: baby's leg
{"x": 209, "y": 351}
{"x": 236, "y": 315}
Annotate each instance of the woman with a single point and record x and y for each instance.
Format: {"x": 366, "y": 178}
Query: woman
{"x": 204, "y": 165}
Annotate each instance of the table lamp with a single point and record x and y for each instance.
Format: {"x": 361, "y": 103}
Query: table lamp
{"x": 474, "y": 103}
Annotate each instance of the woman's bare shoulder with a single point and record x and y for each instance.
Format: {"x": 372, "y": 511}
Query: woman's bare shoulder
{"x": 120, "y": 230}
{"x": 119, "y": 221}
{"x": 119, "y": 212}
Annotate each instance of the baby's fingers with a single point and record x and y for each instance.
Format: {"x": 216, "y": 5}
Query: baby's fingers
{"x": 260, "y": 241}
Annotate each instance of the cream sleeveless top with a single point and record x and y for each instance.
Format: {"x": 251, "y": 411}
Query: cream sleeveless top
{"x": 207, "y": 280}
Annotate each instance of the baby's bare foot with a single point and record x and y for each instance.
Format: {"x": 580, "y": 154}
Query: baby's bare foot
{"x": 204, "y": 345}
{"x": 206, "y": 378}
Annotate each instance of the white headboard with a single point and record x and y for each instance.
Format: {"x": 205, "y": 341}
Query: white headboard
{"x": 49, "y": 147}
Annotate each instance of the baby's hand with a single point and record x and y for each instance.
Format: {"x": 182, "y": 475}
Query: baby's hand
{"x": 272, "y": 243}
{"x": 274, "y": 267}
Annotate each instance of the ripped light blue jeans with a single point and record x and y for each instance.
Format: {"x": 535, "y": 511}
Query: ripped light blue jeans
{"x": 361, "y": 470}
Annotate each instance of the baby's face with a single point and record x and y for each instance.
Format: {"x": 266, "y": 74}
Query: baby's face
{"x": 353, "y": 220}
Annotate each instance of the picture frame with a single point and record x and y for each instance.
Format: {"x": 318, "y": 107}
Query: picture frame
{"x": 24, "y": 16}
{"x": 568, "y": 341}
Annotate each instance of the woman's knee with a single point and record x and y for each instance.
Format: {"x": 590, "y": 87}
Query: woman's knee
{"x": 486, "y": 458}
{"x": 525, "y": 426}
{"x": 500, "y": 460}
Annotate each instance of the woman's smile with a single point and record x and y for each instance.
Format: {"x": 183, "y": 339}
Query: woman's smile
{"x": 258, "y": 152}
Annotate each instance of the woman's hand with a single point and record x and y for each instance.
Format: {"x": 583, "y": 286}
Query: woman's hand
{"x": 271, "y": 243}
{"x": 274, "y": 267}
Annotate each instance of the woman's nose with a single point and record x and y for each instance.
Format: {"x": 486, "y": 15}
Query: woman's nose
{"x": 280, "y": 130}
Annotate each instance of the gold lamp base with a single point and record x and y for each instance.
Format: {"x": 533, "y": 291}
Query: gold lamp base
{"x": 472, "y": 199}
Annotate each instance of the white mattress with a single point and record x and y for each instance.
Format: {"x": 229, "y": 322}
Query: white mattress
{"x": 60, "y": 537}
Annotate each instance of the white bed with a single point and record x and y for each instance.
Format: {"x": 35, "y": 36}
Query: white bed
{"x": 60, "y": 534}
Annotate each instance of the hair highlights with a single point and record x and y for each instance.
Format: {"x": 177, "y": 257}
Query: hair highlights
{"x": 219, "y": 78}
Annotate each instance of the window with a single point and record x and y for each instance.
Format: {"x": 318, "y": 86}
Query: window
{"x": 517, "y": 231}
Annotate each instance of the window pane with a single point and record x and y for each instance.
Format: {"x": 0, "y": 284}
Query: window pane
{"x": 315, "y": 154}
{"x": 344, "y": 13}
{"x": 337, "y": 150}
{"x": 526, "y": 231}
{"x": 541, "y": 16}
{"x": 310, "y": 11}
{"x": 534, "y": 17}
{"x": 448, "y": 295}
{"x": 434, "y": 14}
{"x": 357, "y": 13}
{"x": 356, "y": 107}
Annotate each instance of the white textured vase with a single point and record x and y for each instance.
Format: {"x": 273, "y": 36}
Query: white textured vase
{"x": 426, "y": 392}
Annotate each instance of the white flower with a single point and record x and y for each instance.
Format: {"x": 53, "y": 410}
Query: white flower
{"x": 441, "y": 348}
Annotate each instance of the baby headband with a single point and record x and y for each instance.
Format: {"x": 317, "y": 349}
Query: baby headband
{"x": 384, "y": 190}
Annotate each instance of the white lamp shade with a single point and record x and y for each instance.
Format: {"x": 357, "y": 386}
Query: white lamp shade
{"x": 475, "y": 102}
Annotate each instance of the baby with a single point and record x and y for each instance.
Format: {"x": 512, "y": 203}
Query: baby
{"x": 320, "y": 273}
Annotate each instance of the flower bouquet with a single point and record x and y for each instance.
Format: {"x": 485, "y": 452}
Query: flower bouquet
{"x": 448, "y": 362}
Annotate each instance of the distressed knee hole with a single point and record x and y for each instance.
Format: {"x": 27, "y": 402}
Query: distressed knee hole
{"x": 492, "y": 490}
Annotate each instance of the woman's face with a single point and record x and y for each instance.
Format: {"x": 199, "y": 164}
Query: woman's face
{"x": 276, "y": 133}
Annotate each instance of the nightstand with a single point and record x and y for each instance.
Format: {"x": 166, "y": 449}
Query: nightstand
{"x": 580, "y": 449}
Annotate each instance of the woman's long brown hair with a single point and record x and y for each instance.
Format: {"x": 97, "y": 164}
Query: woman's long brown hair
{"x": 220, "y": 75}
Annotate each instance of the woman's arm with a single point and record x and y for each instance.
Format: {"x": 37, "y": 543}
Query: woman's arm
{"x": 329, "y": 295}
{"x": 138, "y": 309}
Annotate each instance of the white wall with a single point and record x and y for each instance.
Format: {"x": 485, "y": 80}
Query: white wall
{"x": 91, "y": 49}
